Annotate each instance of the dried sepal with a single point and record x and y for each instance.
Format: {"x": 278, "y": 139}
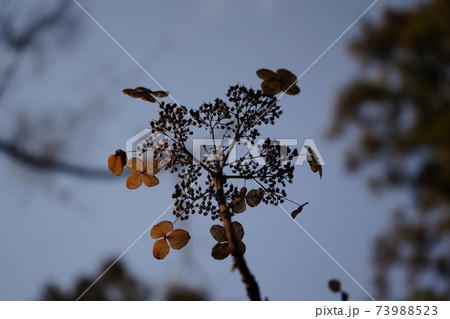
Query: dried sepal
{"x": 161, "y": 229}
{"x": 298, "y": 210}
{"x": 117, "y": 161}
{"x": 241, "y": 247}
{"x": 314, "y": 162}
{"x": 160, "y": 249}
{"x": 142, "y": 173}
{"x": 284, "y": 80}
{"x": 265, "y": 74}
{"x": 148, "y": 98}
{"x": 218, "y": 233}
{"x": 150, "y": 180}
{"x": 288, "y": 82}
{"x": 142, "y": 89}
{"x": 145, "y": 94}
{"x": 152, "y": 167}
{"x": 315, "y": 167}
{"x": 178, "y": 238}
{"x": 287, "y": 76}
{"x": 290, "y": 89}
{"x": 140, "y": 92}
{"x": 238, "y": 205}
{"x": 132, "y": 93}
{"x": 220, "y": 251}
{"x": 160, "y": 93}
{"x": 135, "y": 165}
{"x": 238, "y": 230}
{"x": 271, "y": 87}
{"x": 254, "y": 197}
{"x": 134, "y": 181}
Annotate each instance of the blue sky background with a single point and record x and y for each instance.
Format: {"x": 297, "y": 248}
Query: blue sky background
{"x": 55, "y": 228}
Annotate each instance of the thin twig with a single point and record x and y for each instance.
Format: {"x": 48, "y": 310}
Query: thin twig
{"x": 45, "y": 164}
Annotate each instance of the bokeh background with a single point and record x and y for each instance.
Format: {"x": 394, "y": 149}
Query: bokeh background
{"x": 64, "y": 218}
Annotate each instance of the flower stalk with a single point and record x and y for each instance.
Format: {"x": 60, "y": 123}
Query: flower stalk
{"x": 239, "y": 261}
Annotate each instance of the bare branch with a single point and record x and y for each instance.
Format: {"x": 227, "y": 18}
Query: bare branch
{"x": 44, "y": 164}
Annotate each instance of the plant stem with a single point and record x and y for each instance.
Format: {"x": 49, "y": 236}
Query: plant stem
{"x": 239, "y": 262}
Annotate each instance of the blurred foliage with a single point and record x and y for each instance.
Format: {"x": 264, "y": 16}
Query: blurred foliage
{"x": 183, "y": 293}
{"x": 30, "y": 31}
{"x": 118, "y": 284}
{"x": 398, "y": 111}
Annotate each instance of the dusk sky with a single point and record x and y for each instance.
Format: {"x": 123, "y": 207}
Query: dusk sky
{"x": 56, "y": 228}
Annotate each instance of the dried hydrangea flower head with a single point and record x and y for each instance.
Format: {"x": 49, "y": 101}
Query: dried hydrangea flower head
{"x": 212, "y": 184}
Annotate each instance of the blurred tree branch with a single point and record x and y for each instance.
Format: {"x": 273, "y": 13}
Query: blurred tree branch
{"x": 19, "y": 41}
{"x": 48, "y": 164}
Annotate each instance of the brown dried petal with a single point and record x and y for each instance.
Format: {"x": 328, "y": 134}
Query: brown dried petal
{"x": 218, "y": 233}
{"x": 241, "y": 247}
{"x": 265, "y": 74}
{"x": 220, "y": 251}
{"x": 117, "y": 161}
{"x": 150, "y": 180}
{"x": 293, "y": 90}
{"x": 271, "y": 87}
{"x": 136, "y": 165}
{"x": 254, "y": 197}
{"x": 160, "y": 93}
{"x": 313, "y": 162}
{"x": 143, "y": 89}
{"x": 315, "y": 167}
{"x": 134, "y": 180}
{"x": 133, "y": 93}
{"x": 286, "y": 76}
{"x": 160, "y": 249}
{"x": 123, "y": 156}
{"x": 161, "y": 229}
{"x": 238, "y": 205}
{"x": 115, "y": 165}
{"x": 238, "y": 230}
{"x": 148, "y": 98}
{"x": 298, "y": 210}
{"x": 178, "y": 238}
{"x": 151, "y": 167}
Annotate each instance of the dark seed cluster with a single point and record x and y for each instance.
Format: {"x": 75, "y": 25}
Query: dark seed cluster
{"x": 238, "y": 120}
